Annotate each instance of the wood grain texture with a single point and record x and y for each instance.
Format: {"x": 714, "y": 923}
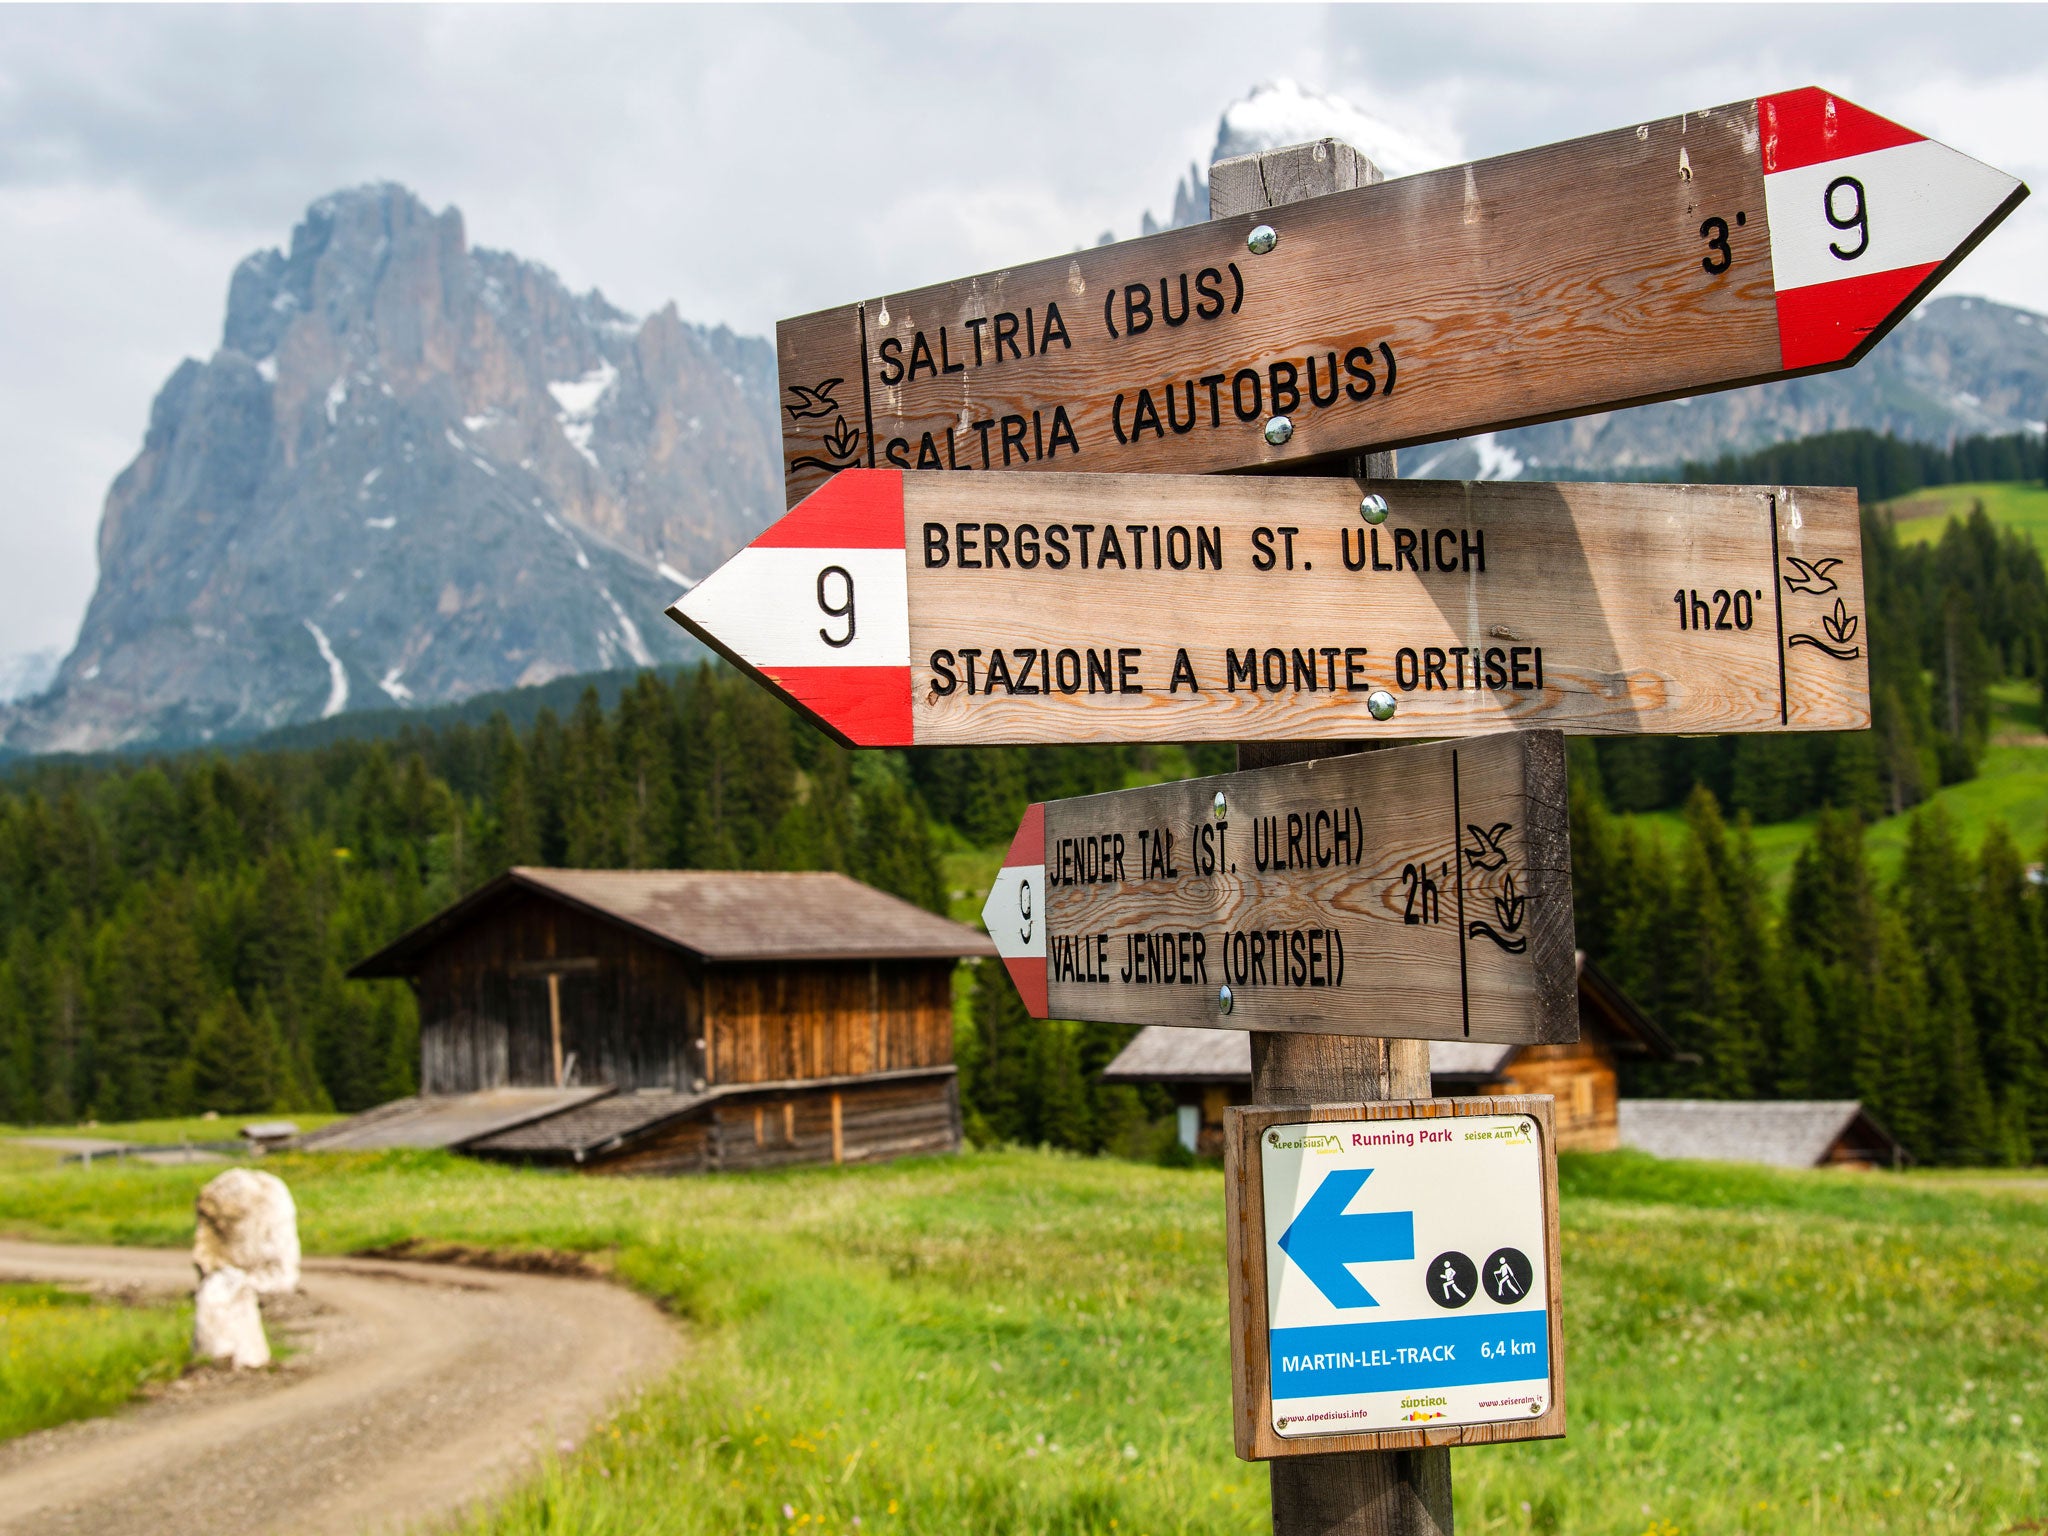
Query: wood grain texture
{"x": 1546, "y": 283}
{"x": 1244, "y": 1193}
{"x": 1387, "y": 1493}
{"x": 1581, "y": 579}
{"x": 1429, "y": 887}
{"x": 1292, "y": 173}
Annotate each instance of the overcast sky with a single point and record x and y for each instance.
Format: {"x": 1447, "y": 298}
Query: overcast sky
{"x": 751, "y": 163}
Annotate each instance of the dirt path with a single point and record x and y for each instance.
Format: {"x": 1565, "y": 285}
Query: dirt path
{"x": 415, "y": 1389}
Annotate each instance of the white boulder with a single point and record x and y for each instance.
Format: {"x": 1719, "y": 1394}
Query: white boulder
{"x": 247, "y": 1222}
{"x": 227, "y": 1325}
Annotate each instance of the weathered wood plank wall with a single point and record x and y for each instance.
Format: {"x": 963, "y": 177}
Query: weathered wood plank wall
{"x": 842, "y": 1019}
{"x": 631, "y": 1020}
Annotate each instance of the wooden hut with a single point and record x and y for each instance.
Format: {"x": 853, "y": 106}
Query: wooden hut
{"x": 672, "y": 1020}
{"x": 1210, "y": 1069}
{"x": 1784, "y": 1133}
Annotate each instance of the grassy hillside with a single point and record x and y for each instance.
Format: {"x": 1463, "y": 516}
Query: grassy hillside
{"x": 1921, "y": 515}
{"x": 2011, "y": 786}
{"x": 1025, "y": 1342}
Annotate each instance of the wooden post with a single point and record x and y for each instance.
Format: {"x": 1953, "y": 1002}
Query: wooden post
{"x": 555, "y": 1021}
{"x": 1369, "y": 1493}
{"x": 706, "y": 1041}
{"x": 838, "y": 1133}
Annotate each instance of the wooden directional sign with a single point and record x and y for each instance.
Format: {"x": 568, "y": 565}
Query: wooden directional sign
{"x": 1754, "y": 241}
{"x": 1422, "y": 892}
{"x": 1395, "y": 1275}
{"x": 931, "y": 610}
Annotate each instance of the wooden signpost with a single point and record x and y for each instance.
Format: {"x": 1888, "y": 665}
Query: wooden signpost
{"x": 1394, "y": 1275}
{"x": 938, "y": 610}
{"x": 1348, "y": 910}
{"x": 1767, "y": 238}
{"x": 1423, "y": 892}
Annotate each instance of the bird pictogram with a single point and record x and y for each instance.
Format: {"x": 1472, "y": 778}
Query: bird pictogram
{"x": 1813, "y": 575}
{"x": 1488, "y": 853}
{"x": 816, "y": 400}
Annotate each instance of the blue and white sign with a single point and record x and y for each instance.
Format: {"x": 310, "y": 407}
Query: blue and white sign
{"x": 1407, "y": 1267}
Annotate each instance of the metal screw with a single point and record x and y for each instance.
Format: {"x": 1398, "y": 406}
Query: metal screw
{"x": 1373, "y": 509}
{"x": 1220, "y": 805}
{"x": 1278, "y": 430}
{"x": 1262, "y": 239}
{"x": 1224, "y": 1001}
{"x": 1380, "y": 704}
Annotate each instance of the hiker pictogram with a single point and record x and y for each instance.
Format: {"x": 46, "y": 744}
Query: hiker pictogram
{"x": 1507, "y": 1276}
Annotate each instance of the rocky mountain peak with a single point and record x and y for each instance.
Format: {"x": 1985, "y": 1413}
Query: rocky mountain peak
{"x": 413, "y": 471}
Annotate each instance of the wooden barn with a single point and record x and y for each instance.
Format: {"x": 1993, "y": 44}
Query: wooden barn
{"x": 676, "y": 1020}
{"x": 1208, "y": 1070}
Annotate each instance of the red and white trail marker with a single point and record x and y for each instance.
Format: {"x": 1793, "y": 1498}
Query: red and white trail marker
{"x": 818, "y": 608}
{"x": 1015, "y": 912}
{"x": 1863, "y": 215}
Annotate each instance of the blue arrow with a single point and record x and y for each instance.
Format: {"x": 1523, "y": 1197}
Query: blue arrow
{"x": 1322, "y": 1239}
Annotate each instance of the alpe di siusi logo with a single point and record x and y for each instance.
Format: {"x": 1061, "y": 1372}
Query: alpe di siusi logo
{"x": 1312, "y": 1143}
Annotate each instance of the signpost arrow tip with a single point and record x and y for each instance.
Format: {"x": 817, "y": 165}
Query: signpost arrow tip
{"x": 1014, "y": 913}
{"x": 837, "y": 644}
{"x": 1866, "y": 216}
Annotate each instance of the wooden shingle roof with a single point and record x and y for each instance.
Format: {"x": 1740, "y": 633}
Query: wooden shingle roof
{"x": 1167, "y": 1053}
{"x": 1785, "y": 1133}
{"x": 719, "y": 915}
{"x": 1162, "y": 1053}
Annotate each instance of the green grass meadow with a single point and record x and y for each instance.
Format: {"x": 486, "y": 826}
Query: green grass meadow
{"x": 171, "y": 1132}
{"x": 1922, "y": 515}
{"x": 67, "y": 1356}
{"x": 1026, "y": 1342}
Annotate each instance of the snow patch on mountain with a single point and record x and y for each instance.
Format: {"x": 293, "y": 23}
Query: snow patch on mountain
{"x": 1497, "y": 461}
{"x": 578, "y": 400}
{"x": 337, "y": 674}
